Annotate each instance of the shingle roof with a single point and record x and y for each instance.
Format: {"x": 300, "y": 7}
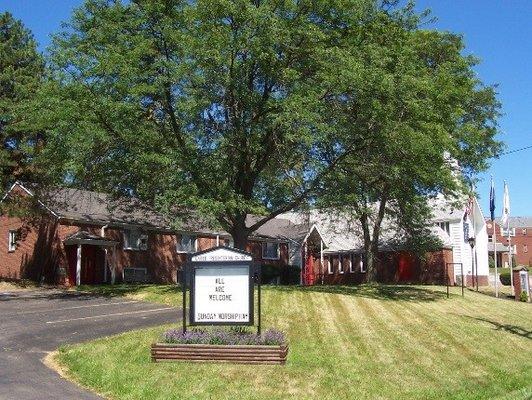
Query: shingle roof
{"x": 280, "y": 228}
{"x": 95, "y": 207}
{"x": 445, "y": 210}
{"x": 343, "y": 234}
{"x": 518, "y": 222}
{"x": 89, "y": 206}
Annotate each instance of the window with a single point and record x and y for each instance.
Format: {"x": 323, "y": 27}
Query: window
{"x": 524, "y": 231}
{"x": 186, "y": 244}
{"x": 229, "y": 242}
{"x": 341, "y": 264}
{"x": 505, "y": 232}
{"x": 525, "y": 248}
{"x": 362, "y": 266}
{"x": 135, "y": 240}
{"x": 12, "y": 241}
{"x": 329, "y": 265}
{"x": 270, "y": 251}
{"x": 351, "y": 264}
{"x": 445, "y": 227}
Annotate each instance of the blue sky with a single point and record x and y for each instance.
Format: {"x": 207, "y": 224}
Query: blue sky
{"x": 499, "y": 32}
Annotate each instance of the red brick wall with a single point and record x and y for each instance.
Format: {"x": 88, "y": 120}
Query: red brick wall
{"x": 337, "y": 277}
{"x": 41, "y": 253}
{"x": 255, "y": 248}
{"x": 37, "y": 251}
{"x": 160, "y": 259}
{"x": 523, "y": 242}
{"x": 431, "y": 270}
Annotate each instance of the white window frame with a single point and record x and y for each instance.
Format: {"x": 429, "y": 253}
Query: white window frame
{"x": 351, "y": 264}
{"x": 445, "y": 226}
{"x": 505, "y": 232}
{"x": 181, "y": 249}
{"x": 265, "y": 246}
{"x": 525, "y": 248}
{"x": 12, "y": 240}
{"x": 330, "y": 266}
{"x": 524, "y": 232}
{"x": 362, "y": 266}
{"x": 140, "y": 239}
{"x": 340, "y": 264}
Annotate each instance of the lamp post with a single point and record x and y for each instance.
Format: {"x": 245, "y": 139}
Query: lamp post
{"x": 471, "y": 242}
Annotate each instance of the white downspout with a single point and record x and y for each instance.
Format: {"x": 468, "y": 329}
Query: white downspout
{"x": 78, "y": 266}
{"x": 105, "y": 265}
{"x": 322, "y": 272}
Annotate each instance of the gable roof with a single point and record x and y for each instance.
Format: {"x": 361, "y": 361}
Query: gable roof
{"x": 93, "y": 207}
{"x": 344, "y": 234}
{"x": 101, "y": 208}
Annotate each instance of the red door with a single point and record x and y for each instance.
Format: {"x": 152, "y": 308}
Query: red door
{"x": 406, "y": 267}
{"x": 72, "y": 259}
{"x": 308, "y": 271}
{"x": 92, "y": 264}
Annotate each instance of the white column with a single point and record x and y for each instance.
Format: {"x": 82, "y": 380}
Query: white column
{"x": 113, "y": 267}
{"x": 78, "y": 267}
{"x": 105, "y": 265}
{"x": 322, "y": 269}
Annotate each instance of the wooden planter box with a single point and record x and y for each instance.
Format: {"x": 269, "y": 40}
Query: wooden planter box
{"x": 241, "y": 354}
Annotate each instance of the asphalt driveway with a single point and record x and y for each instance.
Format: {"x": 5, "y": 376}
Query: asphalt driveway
{"x": 35, "y": 323}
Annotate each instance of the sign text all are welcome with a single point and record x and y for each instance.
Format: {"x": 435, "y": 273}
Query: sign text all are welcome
{"x": 221, "y": 289}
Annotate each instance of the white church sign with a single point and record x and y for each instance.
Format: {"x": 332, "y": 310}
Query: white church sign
{"x": 221, "y": 287}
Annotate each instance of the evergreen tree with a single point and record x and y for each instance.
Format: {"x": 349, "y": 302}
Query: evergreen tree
{"x": 21, "y": 72}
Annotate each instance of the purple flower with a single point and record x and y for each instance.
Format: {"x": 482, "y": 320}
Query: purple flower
{"x": 219, "y": 336}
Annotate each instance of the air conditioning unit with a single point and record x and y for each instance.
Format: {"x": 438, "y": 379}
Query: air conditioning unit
{"x": 143, "y": 242}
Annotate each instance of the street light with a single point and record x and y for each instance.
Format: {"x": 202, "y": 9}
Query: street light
{"x": 471, "y": 242}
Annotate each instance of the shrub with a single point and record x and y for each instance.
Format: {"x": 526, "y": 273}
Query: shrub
{"x": 523, "y": 296}
{"x": 291, "y": 275}
{"x": 271, "y": 337}
{"x": 504, "y": 276}
{"x": 270, "y": 273}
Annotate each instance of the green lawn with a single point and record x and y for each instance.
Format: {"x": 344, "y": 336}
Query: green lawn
{"x": 364, "y": 342}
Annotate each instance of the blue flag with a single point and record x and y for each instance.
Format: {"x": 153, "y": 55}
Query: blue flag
{"x": 492, "y": 200}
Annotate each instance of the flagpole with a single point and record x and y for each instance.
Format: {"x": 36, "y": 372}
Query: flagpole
{"x": 475, "y": 258}
{"x": 510, "y": 261}
{"x": 506, "y": 212}
{"x": 492, "y": 215}
{"x": 495, "y": 255}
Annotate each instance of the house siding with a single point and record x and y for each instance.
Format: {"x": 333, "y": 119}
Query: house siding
{"x": 41, "y": 254}
{"x": 429, "y": 270}
{"x": 36, "y": 252}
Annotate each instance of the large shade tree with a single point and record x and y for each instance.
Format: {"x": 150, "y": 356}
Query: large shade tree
{"x": 431, "y": 127}
{"x": 221, "y": 105}
{"x": 250, "y": 107}
{"x": 21, "y": 73}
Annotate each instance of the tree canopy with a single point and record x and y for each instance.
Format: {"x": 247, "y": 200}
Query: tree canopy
{"x": 21, "y": 72}
{"x": 241, "y": 107}
{"x": 430, "y": 125}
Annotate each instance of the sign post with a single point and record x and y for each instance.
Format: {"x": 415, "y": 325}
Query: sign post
{"x": 221, "y": 283}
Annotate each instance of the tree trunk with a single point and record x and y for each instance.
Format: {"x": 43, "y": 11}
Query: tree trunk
{"x": 369, "y": 256}
{"x": 371, "y": 239}
{"x": 240, "y": 232}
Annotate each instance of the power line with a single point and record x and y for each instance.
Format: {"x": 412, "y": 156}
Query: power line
{"x": 516, "y": 150}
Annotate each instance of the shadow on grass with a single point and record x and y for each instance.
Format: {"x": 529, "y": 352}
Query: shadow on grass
{"x": 128, "y": 289}
{"x": 85, "y": 292}
{"x": 372, "y": 291}
{"x": 379, "y": 292}
{"x": 514, "y": 329}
